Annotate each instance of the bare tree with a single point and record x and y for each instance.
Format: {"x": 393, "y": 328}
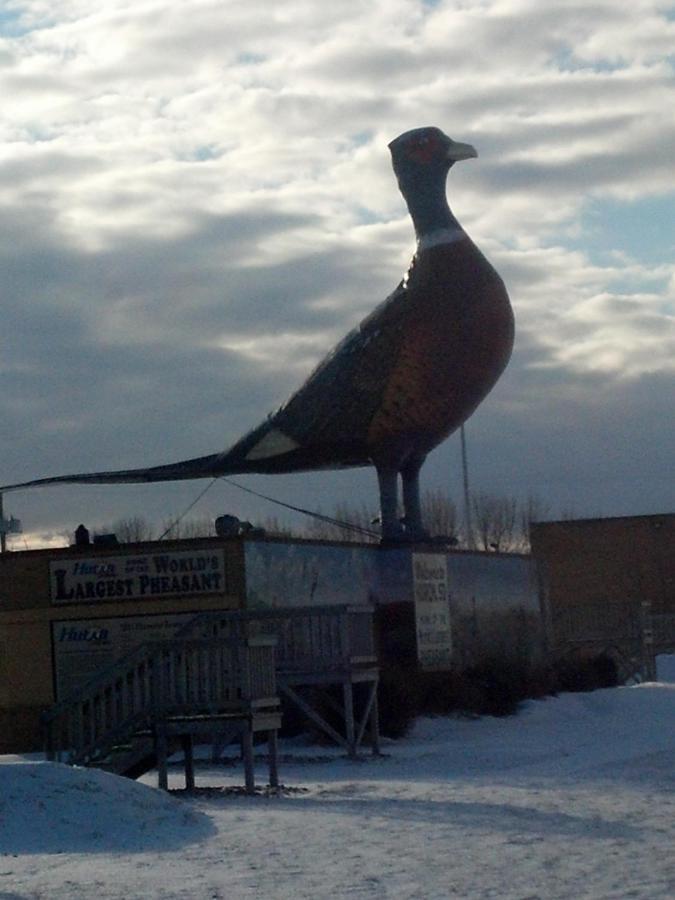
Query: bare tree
{"x": 439, "y": 514}
{"x": 495, "y": 520}
{"x": 360, "y": 518}
{"x": 499, "y": 523}
{"x": 133, "y": 529}
{"x": 189, "y": 528}
{"x": 274, "y": 528}
{"x": 533, "y": 510}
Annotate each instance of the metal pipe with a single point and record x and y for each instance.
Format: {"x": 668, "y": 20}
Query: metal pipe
{"x": 467, "y": 497}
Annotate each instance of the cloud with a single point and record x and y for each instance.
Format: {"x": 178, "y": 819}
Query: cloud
{"x": 196, "y": 203}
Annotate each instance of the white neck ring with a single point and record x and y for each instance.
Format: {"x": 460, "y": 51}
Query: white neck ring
{"x": 440, "y": 236}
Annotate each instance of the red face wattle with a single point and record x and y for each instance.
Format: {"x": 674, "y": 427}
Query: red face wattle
{"x": 424, "y": 148}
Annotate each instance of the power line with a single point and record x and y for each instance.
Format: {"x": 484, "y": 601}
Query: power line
{"x": 347, "y": 526}
{"x": 186, "y": 511}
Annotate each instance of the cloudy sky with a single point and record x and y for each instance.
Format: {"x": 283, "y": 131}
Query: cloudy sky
{"x": 196, "y": 202}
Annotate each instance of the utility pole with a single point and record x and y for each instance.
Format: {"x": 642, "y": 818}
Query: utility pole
{"x": 467, "y": 495}
{"x": 3, "y": 534}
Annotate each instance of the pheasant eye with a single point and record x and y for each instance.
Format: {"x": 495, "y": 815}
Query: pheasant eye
{"x": 423, "y": 149}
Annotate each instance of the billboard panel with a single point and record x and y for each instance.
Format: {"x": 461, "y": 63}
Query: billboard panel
{"x": 137, "y": 576}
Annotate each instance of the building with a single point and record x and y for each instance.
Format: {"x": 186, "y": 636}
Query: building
{"x": 67, "y": 614}
{"x": 608, "y": 585}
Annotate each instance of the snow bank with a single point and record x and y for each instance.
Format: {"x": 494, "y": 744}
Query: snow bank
{"x": 665, "y": 668}
{"x": 574, "y": 797}
{"x": 52, "y": 808}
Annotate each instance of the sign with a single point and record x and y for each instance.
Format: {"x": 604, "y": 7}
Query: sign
{"x": 138, "y": 576}
{"x": 85, "y": 647}
{"x": 432, "y": 610}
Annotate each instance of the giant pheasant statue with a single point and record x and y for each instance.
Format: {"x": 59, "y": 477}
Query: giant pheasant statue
{"x": 397, "y": 385}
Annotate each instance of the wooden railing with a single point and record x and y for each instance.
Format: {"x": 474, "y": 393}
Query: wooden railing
{"x": 628, "y": 631}
{"x": 597, "y": 623}
{"x": 310, "y": 639}
{"x": 192, "y": 676}
{"x": 218, "y": 663}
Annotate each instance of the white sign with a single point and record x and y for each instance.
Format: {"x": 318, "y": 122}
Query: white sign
{"x": 137, "y": 576}
{"x": 84, "y": 647}
{"x": 432, "y": 610}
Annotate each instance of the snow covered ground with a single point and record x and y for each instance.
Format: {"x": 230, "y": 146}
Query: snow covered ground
{"x": 572, "y": 798}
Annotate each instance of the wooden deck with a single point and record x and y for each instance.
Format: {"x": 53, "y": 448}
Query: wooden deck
{"x": 325, "y": 648}
{"x": 218, "y": 679}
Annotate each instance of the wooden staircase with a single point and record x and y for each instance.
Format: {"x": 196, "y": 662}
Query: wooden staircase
{"x": 162, "y": 695}
{"x": 324, "y": 654}
{"x": 216, "y": 680}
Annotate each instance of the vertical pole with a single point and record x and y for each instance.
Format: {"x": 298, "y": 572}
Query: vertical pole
{"x": 648, "y": 655}
{"x": 49, "y": 741}
{"x": 3, "y": 536}
{"x": 467, "y": 495}
{"x": 273, "y": 749}
{"x": 375, "y": 722}
{"x": 247, "y": 754}
{"x": 161, "y": 750}
{"x": 349, "y": 717}
{"x": 188, "y": 756}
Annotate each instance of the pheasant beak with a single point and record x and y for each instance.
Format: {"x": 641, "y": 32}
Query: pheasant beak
{"x": 458, "y": 151}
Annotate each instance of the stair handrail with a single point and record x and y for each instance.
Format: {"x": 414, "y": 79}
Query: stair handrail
{"x": 273, "y": 613}
{"x": 339, "y": 639}
{"x": 99, "y": 696}
{"x": 91, "y": 685}
{"x": 356, "y": 645}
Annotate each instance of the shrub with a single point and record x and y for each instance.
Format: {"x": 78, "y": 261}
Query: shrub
{"x": 586, "y": 673}
{"x": 398, "y": 700}
{"x": 499, "y": 689}
{"x": 492, "y": 687}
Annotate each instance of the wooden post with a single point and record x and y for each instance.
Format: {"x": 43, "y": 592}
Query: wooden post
{"x": 48, "y": 731}
{"x": 345, "y": 648}
{"x": 313, "y": 715}
{"x": 375, "y": 722}
{"x": 349, "y": 717}
{"x": 161, "y": 752}
{"x": 247, "y": 755}
{"x": 648, "y": 655}
{"x": 370, "y": 717}
{"x": 189, "y": 761}
{"x": 273, "y": 749}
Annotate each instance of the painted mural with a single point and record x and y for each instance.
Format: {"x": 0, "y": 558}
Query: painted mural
{"x": 302, "y": 574}
{"x": 494, "y": 608}
{"x": 492, "y": 599}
